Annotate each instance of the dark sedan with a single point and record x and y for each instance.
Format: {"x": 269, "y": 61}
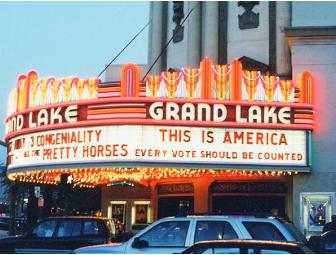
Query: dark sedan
{"x": 61, "y": 235}
{"x": 325, "y": 243}
{"x": 246, "y": 247}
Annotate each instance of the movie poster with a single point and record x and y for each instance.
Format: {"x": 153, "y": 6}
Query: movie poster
{"x": 118, "y": 212}
{"x": 317, "y": 213}
{"x": 141, "y": 214}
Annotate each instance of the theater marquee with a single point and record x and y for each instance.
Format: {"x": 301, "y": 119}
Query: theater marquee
{"x": 160, "y": 144}
{"x": 192, "y": 122}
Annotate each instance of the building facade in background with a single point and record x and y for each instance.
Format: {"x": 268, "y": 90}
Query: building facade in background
{"x": 235, "y": 117}
{"x": 281, "y": 38}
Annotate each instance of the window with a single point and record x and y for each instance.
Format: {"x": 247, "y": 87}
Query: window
{"x": 92, "y": 227}
{"x": 167, "y": 234}
{"x": 214, "y": 230}
{"x": 69, "y": 228}
{"x": 216, "y": 250}
{"x": 45, "y": 229}
{"x": 264, "y": 231}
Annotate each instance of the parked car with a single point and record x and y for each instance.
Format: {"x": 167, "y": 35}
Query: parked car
{"x": 4, "y": 229}
{"x": 20, "y": 223}
{"x": 325, "y": 243}
{"x": 174, "y": 234}
{"x": 246, "y": 247}
{"x": 61, "y": 235}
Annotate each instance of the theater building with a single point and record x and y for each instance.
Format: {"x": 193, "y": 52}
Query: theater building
{"x": 232, "y": 122}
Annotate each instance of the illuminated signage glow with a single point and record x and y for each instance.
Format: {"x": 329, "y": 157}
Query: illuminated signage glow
{"x": 207, "y": 117}
{"x": 219, "y": 113}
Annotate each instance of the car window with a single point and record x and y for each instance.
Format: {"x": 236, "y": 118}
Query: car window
{"x": 264, "y": 251}
{"x": 167, "y": 234}
{"x": 214, "y": 230}
{"x": 45, "y": 228}
{"x": 263, "y": 231}
{"x": 69, "y": 228}
{"x": 216, "y": 250}
{"x": 92, "y": 227}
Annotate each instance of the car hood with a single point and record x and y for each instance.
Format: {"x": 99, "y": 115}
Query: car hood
{"x": 103, "y": 248}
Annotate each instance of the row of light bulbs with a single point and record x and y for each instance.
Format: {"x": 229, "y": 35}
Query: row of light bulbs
{"x": 91, "y": 177}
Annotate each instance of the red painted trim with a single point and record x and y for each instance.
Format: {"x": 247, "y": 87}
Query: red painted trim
{"x": 165, "y": 100}
{"x": 128, "y": 100}
{"x": 106, "y": 122}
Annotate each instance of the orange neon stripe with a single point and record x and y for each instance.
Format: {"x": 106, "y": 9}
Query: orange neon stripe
{"x": 303, "y": 116}
{"x": 108, "y": 89}
{"x": 206, "y": 79}
{"x": 130, "y": 88}
{"x": 236, "y": 76}
{"x": 117, "y": 110}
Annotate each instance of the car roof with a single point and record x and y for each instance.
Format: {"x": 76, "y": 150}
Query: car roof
{"x": 238, "y": 217}
{"x": 251, "y": 241}
{"x": 245, "y": 244}
{"x": 78, "y": 218}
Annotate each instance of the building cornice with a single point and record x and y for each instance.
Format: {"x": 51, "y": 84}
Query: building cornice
{"x": 310, "y": 33}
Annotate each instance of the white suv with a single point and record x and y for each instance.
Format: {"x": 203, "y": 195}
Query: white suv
{"x": 174, "y": 234}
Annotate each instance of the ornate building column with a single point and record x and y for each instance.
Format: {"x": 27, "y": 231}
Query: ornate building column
{"x": 157, "y": 35}
{"x": 194, "y": 33}
{"x": 210, "y": 30}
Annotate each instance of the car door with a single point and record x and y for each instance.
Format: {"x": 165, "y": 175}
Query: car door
{"x": 39, "y": 240}
{"x": 68, "y": 235}
{"x": 165, "y": 237}
{"x": 93, "y": 232}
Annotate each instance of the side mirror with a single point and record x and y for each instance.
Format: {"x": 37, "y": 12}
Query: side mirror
{"x": 138, "y": 243}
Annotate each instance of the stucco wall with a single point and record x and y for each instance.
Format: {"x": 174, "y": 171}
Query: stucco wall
{"x": 318, "y": 57}
{"x": 252, "y": 43}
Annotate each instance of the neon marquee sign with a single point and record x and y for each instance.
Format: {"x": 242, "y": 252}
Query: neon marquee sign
{"x": 253, "y": 116}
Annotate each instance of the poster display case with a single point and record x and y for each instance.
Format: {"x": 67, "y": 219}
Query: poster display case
{"x": 316, "y": 211}
{"x": 141, "y": 214}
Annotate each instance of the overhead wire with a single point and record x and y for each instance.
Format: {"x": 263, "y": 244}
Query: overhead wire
{"x": 121, "y": 51}
{"x": 167, "y": 44}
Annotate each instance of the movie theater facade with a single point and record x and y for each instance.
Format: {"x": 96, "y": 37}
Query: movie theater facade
{"x": 211, "y": 139}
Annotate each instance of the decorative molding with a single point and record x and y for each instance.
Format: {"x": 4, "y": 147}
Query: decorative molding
{"x": 310, "y": 33}
{"x": 248, "y": 187}
{"x": 252, "y": 64}
{"x": 248, "y": 19}
{"x": 175, "y": 188}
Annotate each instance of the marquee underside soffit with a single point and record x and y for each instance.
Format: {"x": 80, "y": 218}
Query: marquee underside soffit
{"x": 92, "y": 177}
